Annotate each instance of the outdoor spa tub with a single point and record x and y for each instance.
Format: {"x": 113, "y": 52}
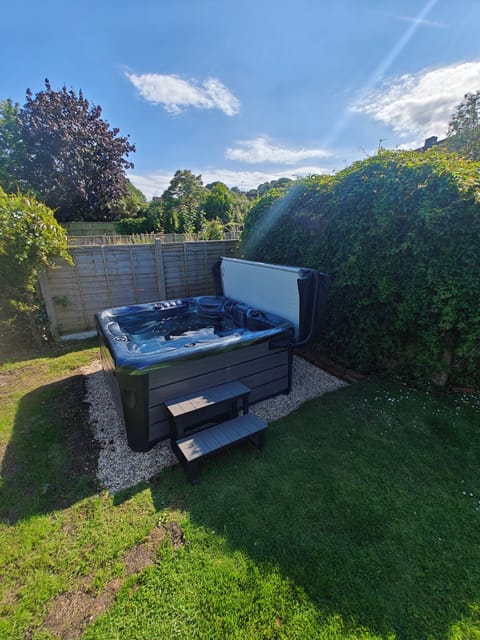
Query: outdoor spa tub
{"x": 157, "y": 351}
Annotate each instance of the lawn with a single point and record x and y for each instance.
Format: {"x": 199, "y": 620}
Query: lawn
{"x": 359, "y": 520}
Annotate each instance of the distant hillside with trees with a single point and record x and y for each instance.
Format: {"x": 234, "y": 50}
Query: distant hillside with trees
{"x": 265, "y": 187}
{"x": 187, "y": 206}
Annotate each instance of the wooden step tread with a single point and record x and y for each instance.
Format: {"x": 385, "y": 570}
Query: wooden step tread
{"x": 206, "y": 397}
{"x": 220, "y": 435}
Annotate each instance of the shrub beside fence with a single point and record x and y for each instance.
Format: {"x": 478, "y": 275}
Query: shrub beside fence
{"x": 115, "y": 275}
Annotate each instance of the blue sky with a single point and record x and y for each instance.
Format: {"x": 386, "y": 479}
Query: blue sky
{"x": 248, "y": 91}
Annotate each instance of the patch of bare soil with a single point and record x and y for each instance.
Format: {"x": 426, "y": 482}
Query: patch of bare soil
{"x": 70, "y": 613}
{"x": 177, "y": 537}
{"x": 82, "y": 447}
{"x": 143, "y": 555}
{"x": 5, "y": 378}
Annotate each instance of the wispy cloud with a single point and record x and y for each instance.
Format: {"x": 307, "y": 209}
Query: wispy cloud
{"x": 261, "y": 150}
{"x": 155, "y": 183}
{"x": 176, "y": 94}
{"x": 380, "y": 71}
{"x": 421, "y": 22}
{"x": 421, "y": 104}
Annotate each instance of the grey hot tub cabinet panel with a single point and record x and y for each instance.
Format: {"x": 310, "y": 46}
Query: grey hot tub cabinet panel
{"x": 266, "y": 370}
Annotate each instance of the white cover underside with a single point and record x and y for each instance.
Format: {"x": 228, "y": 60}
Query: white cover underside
{"x": 267, "y": 287}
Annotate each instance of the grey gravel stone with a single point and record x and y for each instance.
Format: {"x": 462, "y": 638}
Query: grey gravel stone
{"x": 308, "y": 381}
{"x": 119, "y": 467}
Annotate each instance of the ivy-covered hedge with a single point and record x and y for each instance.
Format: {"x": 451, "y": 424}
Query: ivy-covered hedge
{"x": 30, "y": 238}
{"x": 400, "y": 235}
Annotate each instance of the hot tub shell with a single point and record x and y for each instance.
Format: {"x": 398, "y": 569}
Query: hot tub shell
{"x": 260, "y": 355}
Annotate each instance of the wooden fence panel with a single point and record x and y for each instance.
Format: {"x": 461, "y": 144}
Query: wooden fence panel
{"x": 174, "y": 269}
{"x": 106, "y": 276}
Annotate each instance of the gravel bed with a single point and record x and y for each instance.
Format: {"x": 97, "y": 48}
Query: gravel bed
{"x": 119, "y": 467}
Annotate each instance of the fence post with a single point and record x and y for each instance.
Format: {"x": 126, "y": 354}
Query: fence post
{"x": 49, "y": 306}
{"x": 132, "y": 269}
{"x": 185, "y": 272}
{"x": 107, "y": 277}
{"x": 160, "y": 270}
{"x": 206, "y": 277}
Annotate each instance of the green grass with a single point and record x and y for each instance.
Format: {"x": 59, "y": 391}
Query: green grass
{"x": 360, "y": 519}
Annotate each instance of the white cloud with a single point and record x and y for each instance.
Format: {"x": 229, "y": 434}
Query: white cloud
{"x": 176, "y": 94}
{"x": 423, "y": 22}
{"x": 151, "y": 184}
{"x": 259, "y": 150}
{"x": 154, "y": 184}
{"x": 422, "y": 104}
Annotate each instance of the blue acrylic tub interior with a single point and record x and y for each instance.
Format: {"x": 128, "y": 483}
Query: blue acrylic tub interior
{"x": 141, "y": 336}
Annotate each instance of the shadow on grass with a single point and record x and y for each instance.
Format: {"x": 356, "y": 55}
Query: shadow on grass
{"x": 367, "y": 510}
{"x": 362, "y": 503}
{"x": 49, "y": 462}
{"x": 14, "y": 349}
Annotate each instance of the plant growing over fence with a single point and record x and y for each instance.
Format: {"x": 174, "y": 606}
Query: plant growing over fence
{"x": 30, "y": 238}
{"x": 400, "y": 234}
{"x": 211, "y": 230}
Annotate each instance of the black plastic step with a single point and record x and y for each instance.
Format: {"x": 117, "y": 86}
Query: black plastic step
{"x": 219, "y": 436}
{"x": 199, "y": 400}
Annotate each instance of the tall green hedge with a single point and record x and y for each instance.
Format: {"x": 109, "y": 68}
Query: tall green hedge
{"x": 400, "y": 235}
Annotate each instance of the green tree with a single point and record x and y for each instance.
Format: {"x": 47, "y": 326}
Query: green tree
{"x": 211, "y": 230}
{"x": 150, "y": 219}
{"x": 241, "y": 205}
{"x": 183, "y": 202}
{"x": 155, "y": 214}
{"x": 219, "y": 203}
{"x": 463, "y": 135}
{"x": 69, "y": 156}
{"x": 168, "y": 219}
{"x": 227, "y": 205}
{"x": 132, "y": 205}
{"x": 10, "y": 143}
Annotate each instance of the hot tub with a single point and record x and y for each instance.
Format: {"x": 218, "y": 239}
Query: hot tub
{"x": 157, "y": 351}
